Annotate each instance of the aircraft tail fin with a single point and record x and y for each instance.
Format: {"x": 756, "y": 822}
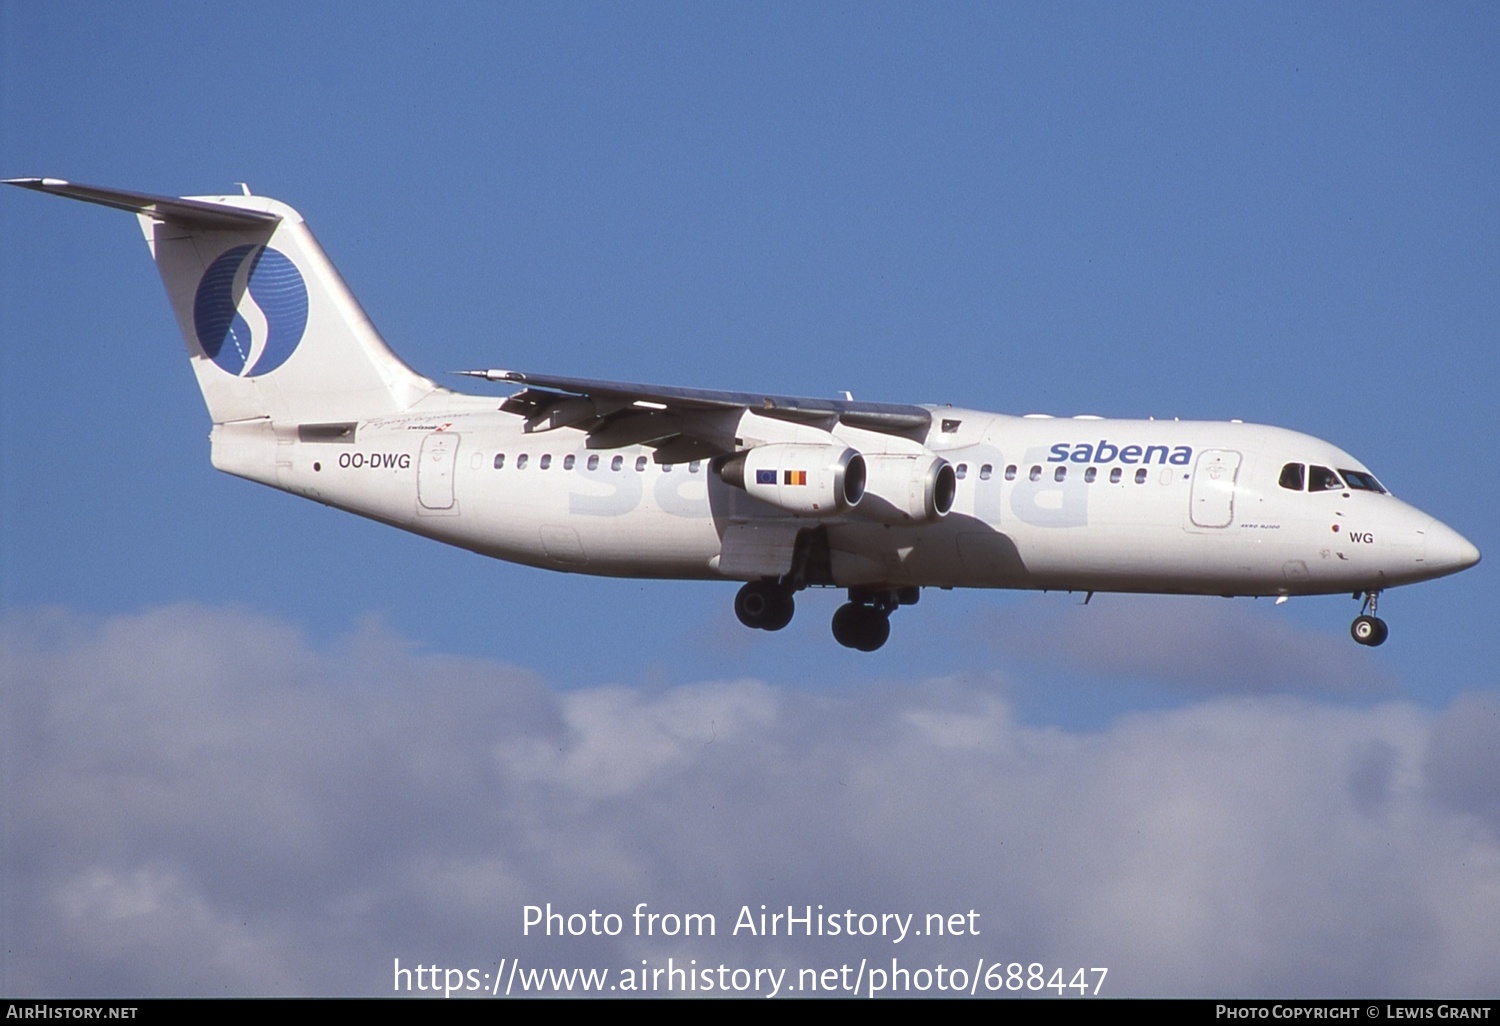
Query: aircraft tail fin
{"x": 271, "y": 328}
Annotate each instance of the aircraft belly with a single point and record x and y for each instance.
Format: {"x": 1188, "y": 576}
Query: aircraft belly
{"x": 601, "y": 525}
{"x": 1156, "y": 558}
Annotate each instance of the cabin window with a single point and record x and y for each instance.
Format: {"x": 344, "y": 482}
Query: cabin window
{"x": 568, "y": 461}
{"x": 1292, "y": 477}
{"x": 1140, "y": 476}
{"x": 1090, "y": 474}
{"x": 546, "y": 461}
{"x": 985, "y": 472}
{"x": 961, "y": 471}
{"x": 1114, "y": 475}
{"x": 617, "y": 463}
{"x": 666, "y": 468}
{"x": 1362, "y": 481}
{"x": 693, "y": 466}
{"x": 640, "y": 464}
{"x": 499, "y": 461}
{"x": 521, "y": 461}
{"x": 594, "y": 462}
{"x": 1010, "y": 472}
{"x": 1060, "y": 474}
{"x": 1323, "y": 479}
{"x": 1036, "y": 473}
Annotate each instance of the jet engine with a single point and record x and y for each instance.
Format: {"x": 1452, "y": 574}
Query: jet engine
{"x": 808, "y": 480}
{"x": 902, "y": 488}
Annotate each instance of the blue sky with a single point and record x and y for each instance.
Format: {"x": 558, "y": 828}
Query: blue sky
{"x": 1279, "y": 214}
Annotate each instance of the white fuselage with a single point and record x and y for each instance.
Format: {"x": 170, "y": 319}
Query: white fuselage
{"x": 1082, "y": 503}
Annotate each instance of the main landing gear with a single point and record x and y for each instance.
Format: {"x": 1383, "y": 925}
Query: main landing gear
{"x": 863, "y": 627}
{"x": 765, "y": 605}
{"x": 863, "y": 623}
{"x": 1367, "y": 628}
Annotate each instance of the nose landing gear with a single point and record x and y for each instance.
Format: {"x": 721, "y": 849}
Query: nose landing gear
{"x": 1367, "y": 628}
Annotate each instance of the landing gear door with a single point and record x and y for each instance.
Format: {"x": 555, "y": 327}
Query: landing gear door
{"x": 435, "y": 472}
{"x": 1214, "y": 476}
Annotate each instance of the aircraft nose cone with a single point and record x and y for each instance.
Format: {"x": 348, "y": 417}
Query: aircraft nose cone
{"x": 1448, "y": 551}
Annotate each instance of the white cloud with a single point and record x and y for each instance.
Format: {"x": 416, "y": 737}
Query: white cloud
{"x": 1188, "y": 643}
{"x": 200, "y": 801}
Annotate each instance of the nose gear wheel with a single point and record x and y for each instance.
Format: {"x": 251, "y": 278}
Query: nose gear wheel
{"x": 1367, "y": 628}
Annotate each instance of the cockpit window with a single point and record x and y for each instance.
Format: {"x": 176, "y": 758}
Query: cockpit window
{"x": 1292, "y": 476}
{"x": 1322, "y": 479}
{"x": 1362, "y": 481}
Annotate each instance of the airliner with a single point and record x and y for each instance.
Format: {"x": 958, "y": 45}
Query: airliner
{"x": 780, "y": 493}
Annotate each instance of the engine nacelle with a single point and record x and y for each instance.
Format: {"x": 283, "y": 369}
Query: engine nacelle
{"x": 808, "y": 480}
{"x": 905, "y": 488}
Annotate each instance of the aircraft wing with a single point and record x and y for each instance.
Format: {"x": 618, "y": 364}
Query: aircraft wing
{"x": 628, "y": 413}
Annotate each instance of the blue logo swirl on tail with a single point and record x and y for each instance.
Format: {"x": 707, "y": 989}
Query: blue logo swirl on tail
{"x": 275, "y": 286}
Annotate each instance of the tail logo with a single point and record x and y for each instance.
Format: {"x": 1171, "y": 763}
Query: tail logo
{"x": 250, "y": 312}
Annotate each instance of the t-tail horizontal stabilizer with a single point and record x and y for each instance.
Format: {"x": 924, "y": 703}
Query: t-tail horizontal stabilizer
{"x": 192, "y": 212}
